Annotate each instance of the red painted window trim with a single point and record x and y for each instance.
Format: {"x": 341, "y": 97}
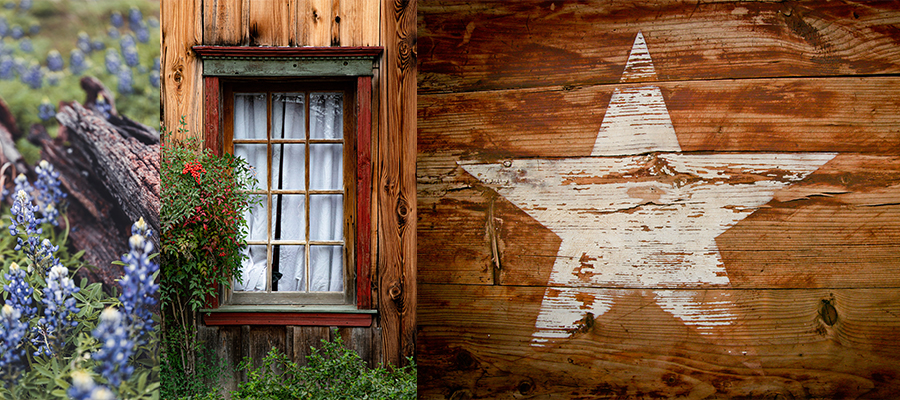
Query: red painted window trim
{"x": 287, "y": 318}
{"x": 214, "y": 142}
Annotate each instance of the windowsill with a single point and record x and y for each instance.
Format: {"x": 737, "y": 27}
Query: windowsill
{"x": 312, "y": 315}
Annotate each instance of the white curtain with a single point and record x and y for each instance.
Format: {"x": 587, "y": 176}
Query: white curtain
{"x": 289, "y": 211}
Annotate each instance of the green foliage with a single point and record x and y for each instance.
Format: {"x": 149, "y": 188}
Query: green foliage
{"x": 332, "y": 372}
{"x": 176, "y": 383}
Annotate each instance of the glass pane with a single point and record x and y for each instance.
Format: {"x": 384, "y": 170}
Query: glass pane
{"x": 326, "y": 166}
{"x": 249, "y": 116}
{"x": 292, "y": 165}
{"x": 326, "y": 115}
{"x": 256, "y": 221}
{"x": 289, "y": 273}
{"x": 288, "y": 116}
{"x": 291, "y": 212}
{"x": 256, "y": 156}
{"x": 253, "y": 270}
{"x": 326, "y": 268}
{"x": 326, "y": 217}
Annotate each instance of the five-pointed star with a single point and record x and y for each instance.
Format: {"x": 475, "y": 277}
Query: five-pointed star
{"x": 637, "y": 213}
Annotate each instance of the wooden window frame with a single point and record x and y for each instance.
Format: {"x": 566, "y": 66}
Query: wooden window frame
{"x": 223, "y": 65}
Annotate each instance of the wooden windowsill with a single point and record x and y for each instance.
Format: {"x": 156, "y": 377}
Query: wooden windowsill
{"x": 288, "y": 315}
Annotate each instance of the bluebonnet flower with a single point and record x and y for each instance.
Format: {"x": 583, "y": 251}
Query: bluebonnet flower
{"x": 84, "y": 388}
{"x": 84, "y": 43}
{"x": 4, "y": 27}
{"x": 76, "y": 62}
{"x": 113, "y": 62}
{"x": 143, "y": 34}
{"x": 53, "y": 78}
{"x": 19, "y": 290}
{"x": 24, "y": 5}
{"x": 26, "y": 46}
{"x": 134, "y": 17}
{"x": 116, "y": 19}
{"x": 154, "y": 79}
{"x": 113, "y": 33}
{"x": 33, "y": 76}
{"x": 50, "y": 196}
{"x": 116, "y": 347}
{"x": 55, "y": 61}
{"x": 23, "y": 217}
{"x": 98, "y": 45}
{"x": 16, "y": 32}
{"x": 46, "y": 110}
{"x": 34, "y": 29}
{"x": 125, "y": 81}
{"x": 103, "y": 106}
{"x": 138, "y": 288}
{"x": 21, "y": 183}
{"x": 129, "y": 50}
{"x": 7, "y": 70}
{"x": 12, "y": 346}
{"x": 58, "y": 306}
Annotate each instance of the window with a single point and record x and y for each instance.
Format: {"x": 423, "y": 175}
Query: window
{"x": 302, "y": 119}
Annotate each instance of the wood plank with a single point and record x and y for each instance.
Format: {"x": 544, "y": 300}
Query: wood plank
{"x": 308, "y": 337}
{"x": 181, "y": 83}
{"x": 780, "y": 346}
{"x": 364, "y": 192}
{"x": 490, "y": 45}
{"x": 395, "y": 180}
{"x": 761, "y": 115}
{"x": 359, "y": 22}
{"x": 223, "y": 23}
{"x": 314, "y": 23}
{"x": 270, "y": 23}
{"x": 842, "y": 219}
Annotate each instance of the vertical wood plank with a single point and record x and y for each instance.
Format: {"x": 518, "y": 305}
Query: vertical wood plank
{"x": 306, "y": 337}
{"x": 223, "y": 23}
{"x": 336, "y": 22}
{"x": 314, "y": 23}
{"x": 359, "y": 20}
{"x": 270, "y": 23}
{"x": 181, "y": 81}
{"x": 212, "y": 129}
{"x": 397, "y": 182}
{"x": 363, "y": 191}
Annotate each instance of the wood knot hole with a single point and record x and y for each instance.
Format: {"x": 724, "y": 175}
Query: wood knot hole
{"x": 395, "y": 291}
{"x": 525, "y": 387}
{"x": 828, "y": 313}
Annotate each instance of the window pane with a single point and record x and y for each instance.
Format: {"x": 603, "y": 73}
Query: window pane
{"x": 291, "y": 211}
{"x": 253, "y": 270}
{"x": 326, "y": 217}
{"x": 290, "y": 270}
{"x": 326, "y": 268}
{"x": 326, "y": 115}
{"x": 288, "y": 116}
{"x": 326, "y": 166}
{"x": 292, "y": 166}
{"x": 250, "y": 116}
{"x": 256, "y": 156}
{"x": 256, "y": 220}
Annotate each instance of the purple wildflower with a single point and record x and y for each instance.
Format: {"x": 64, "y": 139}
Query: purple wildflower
{"x": 12, "y": 346}
{"x": 103, "y": 106}
{"x": 59, "y": 307}
{"x": 76, "y": 62}
{"x": 84, "y": 388}
{"x": 84, "y": 43}
{"x": 116, "y": 19}
{"x": 154, "y": 79}
{"x": 138, "y": 287}
{"x": 113, "y": 62}
{"x": 134, "y": 16}
{"x": 26, "y": 46}
{"x": 126, "y": 81}
{"x": 116, "y": 347}
{"x": 55, "y": 61}
{"x": 50, "y": 196}
{"x": 33, "y": 76}
{"x": 16, "y": 32}
{"x": 19, "y": 290}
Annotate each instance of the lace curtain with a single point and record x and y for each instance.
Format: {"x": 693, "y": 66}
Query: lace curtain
{"x": 290, "y": 212}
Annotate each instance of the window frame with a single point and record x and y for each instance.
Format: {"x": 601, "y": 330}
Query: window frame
{"x": 228, "y": 66}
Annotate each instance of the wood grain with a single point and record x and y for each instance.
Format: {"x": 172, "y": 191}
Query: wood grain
{"x": 270, "y": 23}
{"x": 475, "y": 343}
{"x": 181, "y": 84}
{"x": 224, "y": 23}
{"x": 531, "y": 44}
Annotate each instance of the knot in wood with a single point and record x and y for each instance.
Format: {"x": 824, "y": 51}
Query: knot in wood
{"x": 525, "y": 387}
{"x": 828, "y": 313}
{"x": 395, "y": 292}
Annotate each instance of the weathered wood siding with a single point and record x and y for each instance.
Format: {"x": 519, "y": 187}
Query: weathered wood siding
{"x": 750, "y": 248}
{"x": 321, "y": 23}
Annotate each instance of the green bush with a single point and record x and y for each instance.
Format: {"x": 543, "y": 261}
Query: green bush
{"x": 332, "y": 372}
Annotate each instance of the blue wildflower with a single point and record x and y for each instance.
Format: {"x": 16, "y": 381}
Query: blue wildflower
{"x": 156, "y": 63}
{"x": 116, "y": 19}
{"x": 4, "y": 27}
{"x": 138, "y": 288}
{"x": 98, "y": 45}
{"x": 20, "y": 291}
{"x": 103, "y": 106}
{"x": 154, "y": 79}
{"x": 7, "y": 70}
{"x": 33, "y": 76}
{"x": 113, "y": 62}
{"x": 46, "y": 110}
{"x": 76, "y": 62}
{"x": 84, "y": 43}
{"x": 26, "y": 46}
{"x": 50, "y": 196}
{"x": 84, "y": 388}
{"x": 129, "y": 50}
{"x": 53, "y": 78}
{"x": 153, "y": 22}
{"x": 34, "y": 29}
{"x": 125, "y": 81}
{"x": 55, "y": 61}
{"x": 59, "y": 305}
{"x": 16, "y": 32}
{"x": 134, "y": 16}
{"x": 113, "y": 33}
{"x": 24, "y": 5}
{"x": 12, "y": 346}
{"x": 116, "y": 347}
{"x": 23, "y": 216}
{"x": 143, "y": 34}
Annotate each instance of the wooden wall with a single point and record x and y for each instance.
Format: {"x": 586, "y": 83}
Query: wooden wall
{"x": 390, "y": 24}
{"x": 801, "y": 299}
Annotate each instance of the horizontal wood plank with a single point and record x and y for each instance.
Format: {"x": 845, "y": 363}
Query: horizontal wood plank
{"x": 476, "y": 343}
{"x": 485, "y": 45}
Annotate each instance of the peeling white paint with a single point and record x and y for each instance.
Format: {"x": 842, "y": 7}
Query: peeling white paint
{"x": 649, "y": 221}
{"x": 639, "y": 65}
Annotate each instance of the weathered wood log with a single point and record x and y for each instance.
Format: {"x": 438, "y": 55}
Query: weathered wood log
{"x": 11, "y": 161}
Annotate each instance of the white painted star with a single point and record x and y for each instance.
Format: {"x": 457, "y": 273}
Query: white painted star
{"x": 637, "y": 213}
